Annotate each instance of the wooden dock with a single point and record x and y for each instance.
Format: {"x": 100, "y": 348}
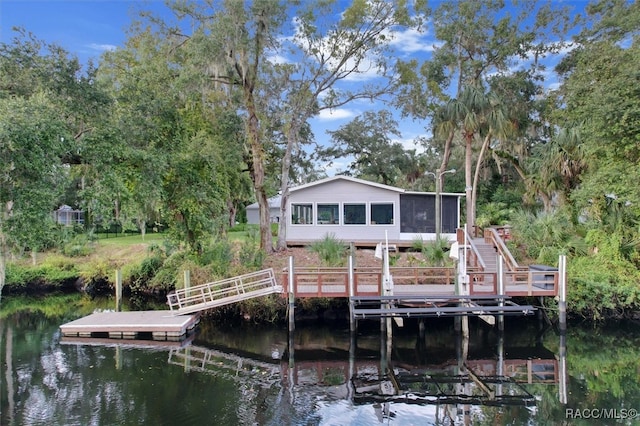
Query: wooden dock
{"x": 143, "y": 325}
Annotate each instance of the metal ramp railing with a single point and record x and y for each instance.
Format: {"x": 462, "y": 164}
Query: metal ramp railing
{"x": 223, "y": 292}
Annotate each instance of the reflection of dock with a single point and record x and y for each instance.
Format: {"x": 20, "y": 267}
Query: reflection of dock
{"x": 215, "y": 362}
{"x": 128, "y": 343}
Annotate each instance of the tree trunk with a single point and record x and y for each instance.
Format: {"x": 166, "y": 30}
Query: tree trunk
{"x": 476, "y": 175}
{"x": 447, "y": 151}
{"x": 4, "y": 249}
{"x": 257, "y": 155}
{"x": 468, "y": 137}
{"x": 233, "y": 211}
{"x": 292, "y": 135}
{"x": 143, "y": 228}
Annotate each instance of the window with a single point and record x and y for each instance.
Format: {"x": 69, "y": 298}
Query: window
{"x": 302, "y": 213}
{"x": 355, "y": 214}
{"x": 381, "y": 214}
{"x": 417, "y": 213}
{"x": 328, "y": 214}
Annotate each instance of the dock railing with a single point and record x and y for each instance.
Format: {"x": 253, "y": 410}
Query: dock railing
{"x": 223, "y": 292}
{"x": 334, "y": 282}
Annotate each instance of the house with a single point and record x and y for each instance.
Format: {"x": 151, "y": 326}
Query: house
{"x": 253, "y": 211}
{"x": 364, "y": 212}
{"x": 67, "y": 216}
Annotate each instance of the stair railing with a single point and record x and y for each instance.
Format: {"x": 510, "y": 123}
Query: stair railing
{"x": 491, "y": 236}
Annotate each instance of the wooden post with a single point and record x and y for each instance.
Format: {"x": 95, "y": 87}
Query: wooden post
{"x": 501, "y": 290}
{"x": 562, "y": 293}
{"x": 352, "y": 252}
{"x": 187, "y": 279}
{"x": 118, "y": 290}
{"x": 352, "y": 319}
{"x": 292, "y": 297}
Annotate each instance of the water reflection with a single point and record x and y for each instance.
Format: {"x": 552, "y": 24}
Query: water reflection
{"x": 321, "y": 374}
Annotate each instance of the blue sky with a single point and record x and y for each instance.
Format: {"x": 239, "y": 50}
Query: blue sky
{"x": 87, "y": 28}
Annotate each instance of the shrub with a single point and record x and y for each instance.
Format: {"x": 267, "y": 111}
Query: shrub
{"x": 437, "y": 252}
{"x": 417, "y": 244}
{"x": 332, "y": 251}
{"x": 78, "y": 246}
{"x": 217, "y": 256}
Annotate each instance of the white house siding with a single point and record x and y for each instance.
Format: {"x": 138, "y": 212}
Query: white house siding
{"x": 341, "y": 191}
{"x": 253, "y": 211}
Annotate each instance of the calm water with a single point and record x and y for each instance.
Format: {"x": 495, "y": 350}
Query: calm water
{"x": 247, "y": 375}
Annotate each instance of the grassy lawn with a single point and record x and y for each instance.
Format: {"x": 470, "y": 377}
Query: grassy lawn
{"x": 125, "y": 240}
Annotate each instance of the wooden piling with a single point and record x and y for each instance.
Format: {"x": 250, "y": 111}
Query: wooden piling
{"x": 352, "y": 318}
{"x": 292, "y": 297}
{"x": 501, "y": 290}
{"x": 562, "y": 293}
{"x": 118, "y": 290}
{"x": 187, "y": 278}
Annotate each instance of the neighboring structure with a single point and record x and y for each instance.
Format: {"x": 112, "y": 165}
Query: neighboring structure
{"x": 253, "y": 211}
{"x": 67, "y": 216}
{"x": 359, "y": 211}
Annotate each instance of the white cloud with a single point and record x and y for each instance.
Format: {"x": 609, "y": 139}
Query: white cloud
{"x": 336, "y": 114}
{"x": 410, "y": 144}
{"x": 102, "y": 47}
{"x": 278, "y": 59}
{"x": 337, "y": 166}
{"x": 412, "y": 41}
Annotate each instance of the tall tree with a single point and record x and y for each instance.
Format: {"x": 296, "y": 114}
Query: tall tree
{"x": 50, "y": 107}
{"x": 367, "y": 139}
{"x": 228, "y": 42}
{"x": 600, "y": 98}
{"x": 32, "y": 142}
{"x": 323, "y": 56}
{"x": 479, "y": 39}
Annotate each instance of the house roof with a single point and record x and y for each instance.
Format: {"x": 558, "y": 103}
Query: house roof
{"x": 347, "y": 178}
{"x": 274, "y": 202}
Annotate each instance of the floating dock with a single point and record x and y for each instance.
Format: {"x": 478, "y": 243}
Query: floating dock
{"x": 143, "y": 325}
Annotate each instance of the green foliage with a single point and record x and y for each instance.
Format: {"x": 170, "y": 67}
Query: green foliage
{"x": 332, "y": 251}
{"x": 418, "y": 244}
{"x": 217, "y": 256}
{"x": 79, "y": 245}
{"x": 493, "y": 213}
{"x": 608, "y": 290}
{"x": 140, "y": 275}
{"x": 436, "y": 252}
{"x": 250, "y": 255}
{"x": 543, "y": 234}
{"x": 40, "y": 277}
{"x": 166, "y": 277}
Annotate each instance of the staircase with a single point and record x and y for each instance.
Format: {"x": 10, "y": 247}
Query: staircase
{"x": 487, "y": 253}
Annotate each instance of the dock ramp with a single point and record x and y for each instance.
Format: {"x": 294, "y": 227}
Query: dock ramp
{"x": 224, "y": 292}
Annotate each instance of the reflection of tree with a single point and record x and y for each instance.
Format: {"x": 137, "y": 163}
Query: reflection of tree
{"x": 9, "y": 374}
